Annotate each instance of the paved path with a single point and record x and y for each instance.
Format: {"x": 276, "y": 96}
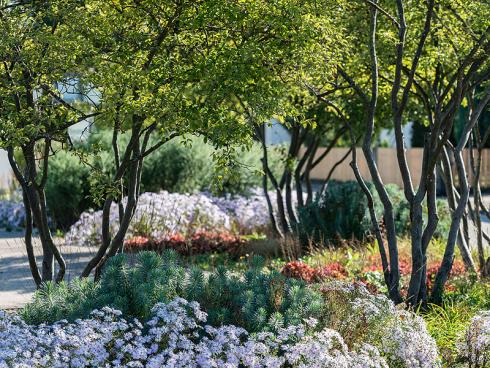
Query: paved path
{"x": 16, "y": 285}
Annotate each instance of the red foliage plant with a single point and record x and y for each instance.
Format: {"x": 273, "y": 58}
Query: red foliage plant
{"x": 302, "y": 271}
{"x": 333, "y": 270}
{"x": 299, "y": 270}
{"x": 200, "y": 242}
{"x": 458, "y": 269}
{"x": 404, "y": 265}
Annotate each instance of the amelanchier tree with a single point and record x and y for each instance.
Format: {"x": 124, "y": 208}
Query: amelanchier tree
{"x": 182, "y": 67}
{"x": 41, "y": 52}
{"x": 161, "y": 69}
{"x": 433, "y": 52}
{"x": 311, "y": 126}
{"x": 304, "y": 43}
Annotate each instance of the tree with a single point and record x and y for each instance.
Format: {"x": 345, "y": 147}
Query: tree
{"x": 314, "y": 125}
{"x": 402, "y": 54}
{"x": 40, "y": 53}
{"x": 186, "y": 67}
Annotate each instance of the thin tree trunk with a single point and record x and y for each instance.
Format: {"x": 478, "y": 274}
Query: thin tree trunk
{"x": 293, "y": 219}
{"x": 371, "y": 104}
{"x": 106, "y": 239}
{"x": 432, "y": 222}
{"x": 415, "y": 295}
{"x": 28, "y": 242}
{"x": 448, "y": 258}
{"x": 307, "y": 173}
{"x": 452, "y": 197}
{"x": 270, "y": 208}
{"x": 323, "y": 188}
{"x": 298, "y": 173}
{"x": 132, "y": 199}
{"x": 372, "y": 212}
{"x": 37, "y": 204}
{"x": 260, "y": 134}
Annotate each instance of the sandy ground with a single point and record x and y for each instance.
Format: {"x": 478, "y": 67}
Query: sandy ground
{"x": 16, "y": 285}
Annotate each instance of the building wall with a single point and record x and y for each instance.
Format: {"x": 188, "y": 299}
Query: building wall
{"x": 5, "y": 174}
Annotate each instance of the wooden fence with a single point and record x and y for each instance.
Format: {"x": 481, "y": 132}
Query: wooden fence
{"x": 387, "y": 165}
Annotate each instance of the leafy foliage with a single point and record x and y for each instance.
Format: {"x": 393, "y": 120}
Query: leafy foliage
{"x": 342, "y": 213}
{"x": 197, "y": 243}
{"x": 175, "y": 167}
{"x": 255, "y": 301}
{"x": 67, "y": 189}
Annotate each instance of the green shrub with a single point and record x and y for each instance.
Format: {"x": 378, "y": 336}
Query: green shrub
{"x": 342, "y": 213}
{"x": 189, "y": 167}
{"x": 178, "y": 168}
{"x": 254, "y": 301}
{"x": 175, "y": 167}
{"x": 67, "y": 189}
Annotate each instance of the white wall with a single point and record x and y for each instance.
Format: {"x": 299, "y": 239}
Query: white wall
{"x": 275, "y": 133}
{"x": 5, "y": 173}
{"x": 388, "y": 136}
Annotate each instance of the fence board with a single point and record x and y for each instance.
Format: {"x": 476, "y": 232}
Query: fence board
{"x": 387, "y": 165}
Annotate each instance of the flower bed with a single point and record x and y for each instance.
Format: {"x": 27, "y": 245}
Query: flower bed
{"x": 164, "y": 215}
{"x": 474, "y": 346}
{"x": 174, "y": 336}
{"x": 335, "y": 270}
{"x": 373, "y": 334}
{"x": 197, "y": 243}
{"x": 262, "y": 304}
{"x": 12, "y": 215}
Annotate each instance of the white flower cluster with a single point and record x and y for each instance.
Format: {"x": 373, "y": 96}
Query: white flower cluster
{"x": 401, "y": 336}
{"x": 12, "y": 214}
{"x": 163, "y": 214}
{"x": 407, "y": 341}
{"x": 475, "y": 346}
{"x": 175, "y": 336}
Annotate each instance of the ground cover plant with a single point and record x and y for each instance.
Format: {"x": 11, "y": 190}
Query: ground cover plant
{"x": 260, "y": 304}
{"x": 175, "y": 336}
{"x": 162, "y": 215}
{"x": 12, "y": 215}
{"x": 200, "y": 242}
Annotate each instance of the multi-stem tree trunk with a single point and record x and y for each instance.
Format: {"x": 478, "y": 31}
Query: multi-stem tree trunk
{"x": 37, "y": 213}
{"x": 462, "y": 203}
{"x": 475, "y": 163}
{"x": 28, "y": 242}
{"x": 128, "y": 166}
{"x": 296, "y": 172}
{"x": 370, "y": 103}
